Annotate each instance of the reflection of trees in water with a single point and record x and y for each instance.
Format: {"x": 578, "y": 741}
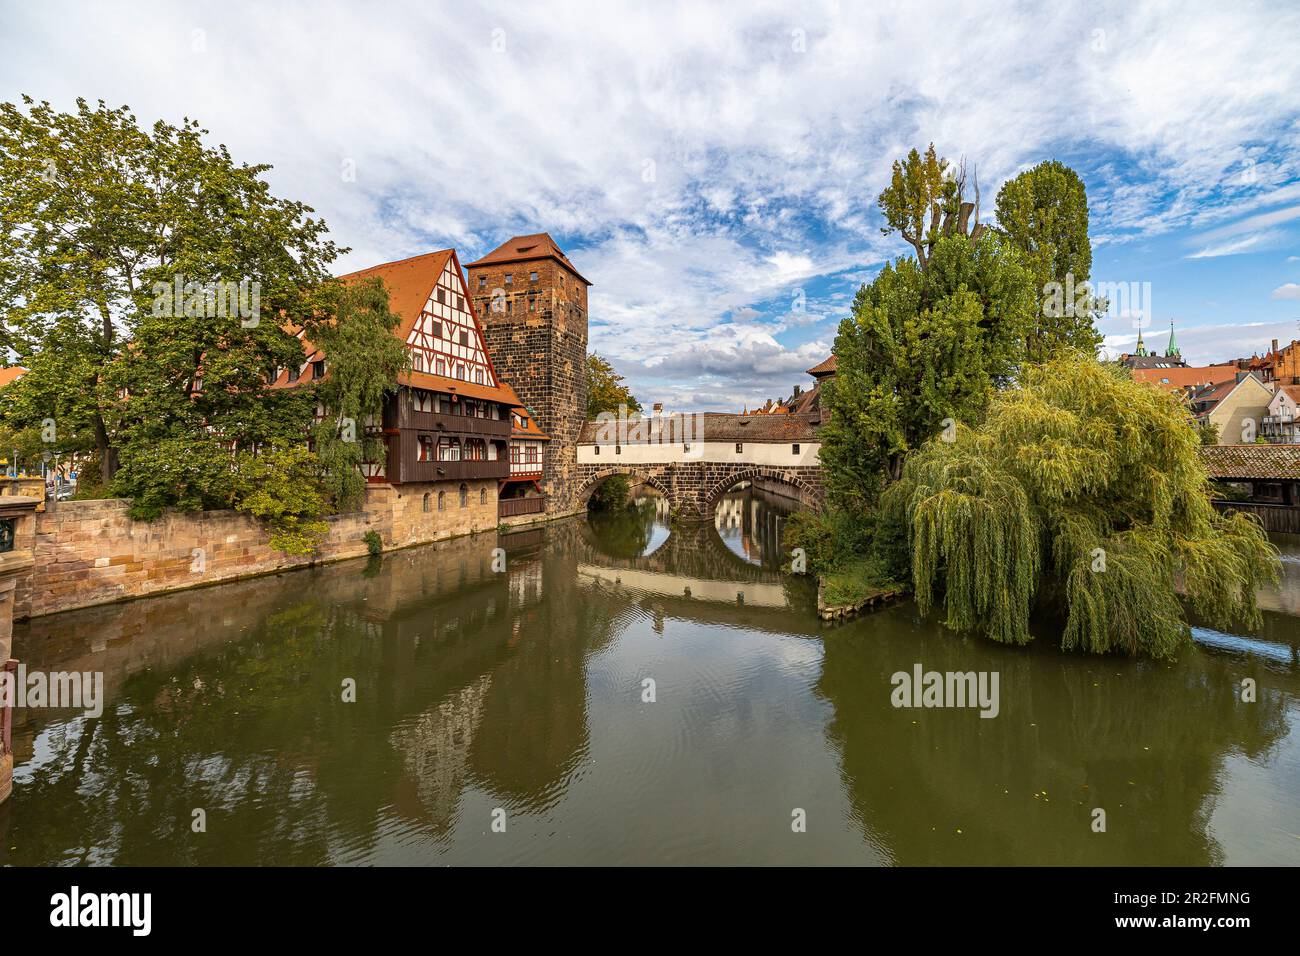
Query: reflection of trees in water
{"x": 1146, "y": 742}
{"x": 625, "y": 532}
{"x": 458, "y": 672}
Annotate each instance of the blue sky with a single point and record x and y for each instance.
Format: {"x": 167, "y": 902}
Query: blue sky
{"x": 713, "y": 168}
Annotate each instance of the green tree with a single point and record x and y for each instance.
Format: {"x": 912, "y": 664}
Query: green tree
{"x": 925, "y": 201}
{"x": 99, "y": 220}
{"x": 280, "y": 487}
{"x": 922, "y": 350}
{"x": 1082, "y": 489}
{"x": 364, "y": 359}
{"x": 1044, "y": 214}
{"x": 605, "y": 389}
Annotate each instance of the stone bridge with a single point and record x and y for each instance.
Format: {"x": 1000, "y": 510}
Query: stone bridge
{"x": 778, "y": 453}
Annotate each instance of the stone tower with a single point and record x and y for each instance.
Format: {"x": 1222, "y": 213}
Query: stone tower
{"x": 532, "y": 304}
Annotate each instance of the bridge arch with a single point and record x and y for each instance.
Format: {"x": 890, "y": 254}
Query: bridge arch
{"x": 808, "y": 494}
{"x": 647, "y": 477}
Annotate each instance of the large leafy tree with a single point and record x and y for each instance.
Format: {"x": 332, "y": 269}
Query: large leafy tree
{"x": 1082, "y": 489}
{"x": 605, "y": 389}
{"x": 99, "y": 219}
{"x": 922, "y": 350}
{"x": 1044, "y": 213}
{"x": 354, "y": 328}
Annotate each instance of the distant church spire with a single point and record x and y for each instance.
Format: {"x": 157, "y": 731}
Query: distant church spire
{"x": 1171, "y": 350}
{"x": 1141, "y": 348}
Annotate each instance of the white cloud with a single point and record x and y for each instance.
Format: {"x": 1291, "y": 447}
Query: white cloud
{"x": 698, "y": 164}
{"x": 1290, "y": 290}
{"x": 1238, "y": 245}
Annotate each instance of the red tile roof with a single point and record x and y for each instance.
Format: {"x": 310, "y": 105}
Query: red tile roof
{"x": 1252, "y": 461}
{"x": 524, "y": 249}
{"x": 823, "y": 368}
{"x": 410, "y": 282}
{"x": 11, "y": 373}
{"x": 1184, "y": 377}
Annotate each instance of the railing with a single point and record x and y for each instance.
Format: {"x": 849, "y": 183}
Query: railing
{"x": 1277, "y": 518}
{"x": 454, "y": 470}
{"x": 443, "y": 423}
{"x": 510, "y": 507}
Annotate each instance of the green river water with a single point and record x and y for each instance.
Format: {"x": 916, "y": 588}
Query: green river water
{"x": 516, "y": 696}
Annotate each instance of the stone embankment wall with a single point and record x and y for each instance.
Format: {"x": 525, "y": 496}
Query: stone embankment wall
{"x": 93, "y": 552}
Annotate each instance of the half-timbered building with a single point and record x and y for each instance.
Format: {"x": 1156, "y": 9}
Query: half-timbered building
{"x": 450, "y": 419}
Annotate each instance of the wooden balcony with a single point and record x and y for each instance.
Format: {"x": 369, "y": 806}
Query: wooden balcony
{"x": 453, "y": 470}
{"x": 510, "y": 507}
{"x": 439, "y": 423}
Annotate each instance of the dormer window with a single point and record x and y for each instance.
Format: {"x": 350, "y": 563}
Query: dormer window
{"x": 318, "y": 369}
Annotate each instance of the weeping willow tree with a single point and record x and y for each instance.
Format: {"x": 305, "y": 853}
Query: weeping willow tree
{"x": 1082, "y": 489}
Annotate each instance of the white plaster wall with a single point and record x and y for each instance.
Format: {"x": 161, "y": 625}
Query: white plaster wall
{"x": 754, "y": 453}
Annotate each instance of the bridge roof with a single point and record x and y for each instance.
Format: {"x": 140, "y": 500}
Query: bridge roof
{"x": 717, "y": 426}
{"x": 1245, "y": 462}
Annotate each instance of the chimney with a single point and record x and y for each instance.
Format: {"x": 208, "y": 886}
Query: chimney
{"x": 1275, "y": 346}
{"x": 798, "y": 390}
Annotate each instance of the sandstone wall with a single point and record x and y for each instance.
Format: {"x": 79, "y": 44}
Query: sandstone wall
{"x": 92, "y": 552}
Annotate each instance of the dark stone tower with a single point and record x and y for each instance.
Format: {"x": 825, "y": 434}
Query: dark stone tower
{"x": 532, "y": 304}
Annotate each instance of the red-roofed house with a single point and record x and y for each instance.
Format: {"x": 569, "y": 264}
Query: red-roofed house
{"x": 451, "y": 421}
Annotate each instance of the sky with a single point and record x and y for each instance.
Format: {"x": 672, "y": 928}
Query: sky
{"x": 713, "y": 168}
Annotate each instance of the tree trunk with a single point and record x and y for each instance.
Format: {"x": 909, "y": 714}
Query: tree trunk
{"x": 107, "y": 453}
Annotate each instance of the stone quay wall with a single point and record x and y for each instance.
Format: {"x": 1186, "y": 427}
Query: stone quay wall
{"x": 93, "y": 552}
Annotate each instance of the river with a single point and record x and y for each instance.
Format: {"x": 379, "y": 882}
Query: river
{"x": 505, "y": 716}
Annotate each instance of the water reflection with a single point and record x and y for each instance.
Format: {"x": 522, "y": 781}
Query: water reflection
{"x": 525, "y": 690}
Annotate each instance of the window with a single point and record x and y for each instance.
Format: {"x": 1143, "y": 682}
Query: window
{"x": 442, "y": 295}
{"x": 440, "y": 366}
{"x": 423, "y": 401}
{"x": 532, "y": 277}
{"x": 449, "y": 449}
{"x": 740, "y": 448}
{"x": 478, "y": 375}
{"x": 460, "y": 302}
{"x": 482, "y": 282}
{"x": 686, "y": 446}
{"x": 7, "y": 534}
{"x": 510, "y": 278}
{"x": 482, "y": 496}
{"x": 532, "y": 304}
{"x": 464, "y": 495}
{"x": 618, "y": 449}
{"x": 464, "y": 338}
{"x": 437, "y": 330}
{"x": 293, "y": 374}
{"x": 318, "y": 369}
{"x": 426, "y": 501}
{"x": 533, "y": 453}
{"x": 424, "y": 449}
{"x": 794, "y": 449}
{"x": 475, "y": 450}
{"x": 460, "y": 372}
{"x": 442, "y": 500}
{"x": 417, "y": 361}
{"x": 597, "y": 449}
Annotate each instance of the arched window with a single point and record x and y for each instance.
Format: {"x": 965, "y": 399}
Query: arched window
{"x": 426, "y": 501}
{"x": 482, "y": 496}
{"x": 464, "y": 495}
{"x": 442, "y": 500}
